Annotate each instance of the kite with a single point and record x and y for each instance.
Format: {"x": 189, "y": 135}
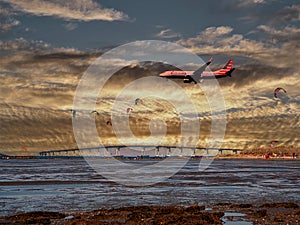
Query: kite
{"x": 276, "y": 91}
{"x": 73, "y": 112}
{"x": 129, "y": 110}
{"x": 272, "y": 143}
{"x": 94, "y": 111}
{"x": 138, "y": 100}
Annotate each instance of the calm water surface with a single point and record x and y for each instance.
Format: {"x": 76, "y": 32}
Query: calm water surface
{"x": 69, "y": 185}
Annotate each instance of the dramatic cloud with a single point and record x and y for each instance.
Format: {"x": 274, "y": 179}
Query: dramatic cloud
{"x": 209, "y": 35}
{"x": 36, "y": 91}
{"x": 288, "y": 14}
{"x": 70, "y": 26}
{"x": 7, "y": 21}
{"x": 69, "y": 10}
{"x": 269, "y": 62}
{"x": 282, "y": 46}
{"x": 284, "y": 16}
{"x": 219, "y": 40}
{"x": 167, "y": 33}
{"x": 36, "y": 97}
{"x": 287, "y": 34}
{"x": 247, "y": 3}
{"x": 22, "y": 44}
{"x": 8, "y": 24}
{"x": 39, "y": 83}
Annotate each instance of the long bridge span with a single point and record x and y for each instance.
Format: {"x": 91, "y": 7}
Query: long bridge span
{"x": 158, "y": 151}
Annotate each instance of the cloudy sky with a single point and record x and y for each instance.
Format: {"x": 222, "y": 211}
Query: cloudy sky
{"x": 47, "y": 45}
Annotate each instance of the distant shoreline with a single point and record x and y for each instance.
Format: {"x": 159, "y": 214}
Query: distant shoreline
{"x": 163, "y": 152}
{"x": 232, "y": 156}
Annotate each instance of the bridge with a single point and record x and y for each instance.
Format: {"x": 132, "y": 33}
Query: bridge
{"x": 155, "y": 151}
{"x": 3, "y": 156}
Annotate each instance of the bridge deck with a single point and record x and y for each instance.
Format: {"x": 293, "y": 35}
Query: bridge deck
{"x": 108, "y": 151}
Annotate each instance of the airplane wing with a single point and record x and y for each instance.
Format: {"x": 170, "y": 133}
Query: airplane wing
{"x": 202, "y": 68}
{"x": 197, "y": 74}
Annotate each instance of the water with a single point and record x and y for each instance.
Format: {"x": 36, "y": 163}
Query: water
{"x": 70, "y": 185}
{"x": 237, "y": 220}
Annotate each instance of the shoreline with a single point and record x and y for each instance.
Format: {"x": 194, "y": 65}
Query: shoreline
{"x": 257, "y": 157}
{"x": 231, "y": 156}
{"x": 282, "y": 153}
{"x": 220, "y": 213}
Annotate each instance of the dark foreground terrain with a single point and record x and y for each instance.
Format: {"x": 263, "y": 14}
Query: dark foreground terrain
{"x": 268, "y": 213}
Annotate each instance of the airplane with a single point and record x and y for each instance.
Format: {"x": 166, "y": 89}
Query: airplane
{"x": 198, "y": 75}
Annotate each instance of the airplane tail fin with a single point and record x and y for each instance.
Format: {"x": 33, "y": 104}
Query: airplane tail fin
{"x": 229, "y": 72}
{"x": 228, "y": 68}
{"x": 228, "y": 65}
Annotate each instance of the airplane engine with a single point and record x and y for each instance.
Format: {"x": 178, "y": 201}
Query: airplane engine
{"x": 186, "y": 80}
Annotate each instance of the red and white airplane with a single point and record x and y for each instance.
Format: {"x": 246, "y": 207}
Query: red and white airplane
{"x": 197, "y": 76}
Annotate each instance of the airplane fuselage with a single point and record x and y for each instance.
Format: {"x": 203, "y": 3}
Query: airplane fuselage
{"x": 186, "y": 73}
{"x": 189, "y": 76}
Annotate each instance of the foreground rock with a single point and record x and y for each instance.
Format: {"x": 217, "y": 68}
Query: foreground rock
{"x": 268, "y": 213}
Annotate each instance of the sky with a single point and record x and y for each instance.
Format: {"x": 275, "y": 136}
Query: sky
{"x": 46, "y": 46}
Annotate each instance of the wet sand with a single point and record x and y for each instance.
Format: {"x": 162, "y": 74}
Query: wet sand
{"x": 221, "y": 213}
{"x": 228, "y": 192}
